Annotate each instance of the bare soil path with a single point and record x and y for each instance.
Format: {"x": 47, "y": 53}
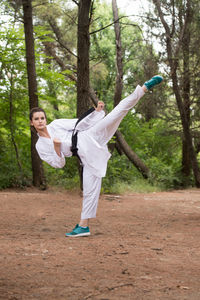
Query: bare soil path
{"x": 142, "y": 246}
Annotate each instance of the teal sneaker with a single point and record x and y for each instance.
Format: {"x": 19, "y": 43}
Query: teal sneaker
{"x": 79, "y": 231}
{"x": 153, "y": 81}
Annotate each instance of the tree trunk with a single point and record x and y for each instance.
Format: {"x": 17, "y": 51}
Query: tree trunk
{"x": 186, "y": 163}
{"x": 37, "y": 168}
{"x": 186, "y": 132}
{"x": 132, "y": 156}
{"x": 83, "y": 46}
{"x": 119, "y": 58}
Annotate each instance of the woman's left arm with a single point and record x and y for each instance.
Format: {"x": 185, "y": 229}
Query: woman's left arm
{"x": 91, "y": 119}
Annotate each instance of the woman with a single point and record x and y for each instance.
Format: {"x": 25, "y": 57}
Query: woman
{"x": 94, "y": 132}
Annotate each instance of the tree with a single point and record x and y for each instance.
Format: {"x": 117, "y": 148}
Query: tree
{"x": 117, "y": 97}
{"x": 174, "y": 45}
{"x": 83, "y": 47}
{"x": 118, "y": 92}
{"x": 37, "y": 168}
{"x": 119, "y": 57}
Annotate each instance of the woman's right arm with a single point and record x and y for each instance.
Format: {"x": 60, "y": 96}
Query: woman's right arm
{"x": 57, "y": 146}
{"x": 50, "y": 156}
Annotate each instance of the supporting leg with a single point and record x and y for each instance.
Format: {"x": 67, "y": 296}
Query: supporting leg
{"x": 91, "y": 192}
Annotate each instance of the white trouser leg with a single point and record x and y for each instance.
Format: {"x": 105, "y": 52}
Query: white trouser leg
{"x": 106, "y": 128}
{"x": 91, "y": 191}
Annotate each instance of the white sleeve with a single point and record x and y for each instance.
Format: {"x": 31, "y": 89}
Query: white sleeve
{"x": 50, "y": 156}
{"x": 63, "y": 124}
{"x": 90, "y": 120}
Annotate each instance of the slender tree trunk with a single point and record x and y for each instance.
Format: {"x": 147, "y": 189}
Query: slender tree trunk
{"x": 186, "y": 163}
{"x": 119, "y": 67}
{"x": 119, "y": 57}
{"x": 132, "y": 156}
{"x": 186, "y": 132}
{"x": 37, "y": 168}
{"x": 83, "y": 47}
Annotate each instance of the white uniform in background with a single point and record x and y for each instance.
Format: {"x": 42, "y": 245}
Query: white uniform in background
{"x": 94, "y": 132}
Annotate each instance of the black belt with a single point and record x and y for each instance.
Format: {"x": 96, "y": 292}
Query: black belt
{"x": 74, "y": 148}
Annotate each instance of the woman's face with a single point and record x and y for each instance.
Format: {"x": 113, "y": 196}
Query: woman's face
{"x": 39, "y": 121}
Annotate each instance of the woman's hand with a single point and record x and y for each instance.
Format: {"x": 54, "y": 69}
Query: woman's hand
{"x": 57, "y": 146}
{"x": 100, "y": 106}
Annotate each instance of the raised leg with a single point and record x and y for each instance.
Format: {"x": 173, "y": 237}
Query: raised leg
{"x": 105, "y": 129}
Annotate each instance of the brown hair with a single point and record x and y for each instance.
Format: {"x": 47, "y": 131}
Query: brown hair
{"x": 34, "y": 110}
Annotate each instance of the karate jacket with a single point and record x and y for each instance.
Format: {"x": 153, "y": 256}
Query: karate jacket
{"x": 93, "y": 155}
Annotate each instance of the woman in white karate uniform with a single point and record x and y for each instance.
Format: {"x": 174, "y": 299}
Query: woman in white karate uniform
{"x": 94, "y": 132}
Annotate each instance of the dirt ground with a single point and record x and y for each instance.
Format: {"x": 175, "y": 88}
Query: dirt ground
{"x": 142, "y": 246}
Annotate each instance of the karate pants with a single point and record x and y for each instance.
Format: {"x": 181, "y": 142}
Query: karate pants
{"x": 103, "y": 132}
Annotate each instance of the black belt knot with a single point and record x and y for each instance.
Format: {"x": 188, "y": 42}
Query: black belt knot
{"x": 74, "y": 148}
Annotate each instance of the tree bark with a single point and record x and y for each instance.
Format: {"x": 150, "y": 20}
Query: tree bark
{"x": 119, "y": 56}
{"x": 37, "y": 168}
{"x": 83, "y": 46}
{"x": 173, "y": 63}
{"x": 186, "y": 163}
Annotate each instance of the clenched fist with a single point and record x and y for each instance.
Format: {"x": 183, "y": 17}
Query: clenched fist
{"x": 100, "y": 106}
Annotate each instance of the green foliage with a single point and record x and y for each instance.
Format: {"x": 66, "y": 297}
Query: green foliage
{"x": 119, "y": 170}
{"x": 14, "y": 108}
{"x": 136, "y": 186}
{"x": 152, "y": 129}
{"x": 67, "y": 177}
{"x": 154, "y": 143}
{"x": 10, "y": 175}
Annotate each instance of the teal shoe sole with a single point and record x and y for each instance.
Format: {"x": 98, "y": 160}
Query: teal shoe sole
{"x": 155, "y": 80}
{"x": 78, "y": 231}
{"x": 77, "y": 235}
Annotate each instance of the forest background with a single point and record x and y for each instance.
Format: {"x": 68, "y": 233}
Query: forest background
{"x": 158, "y": 143}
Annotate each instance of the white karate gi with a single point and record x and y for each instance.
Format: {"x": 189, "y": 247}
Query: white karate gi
{"x": 94, "y": 132}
